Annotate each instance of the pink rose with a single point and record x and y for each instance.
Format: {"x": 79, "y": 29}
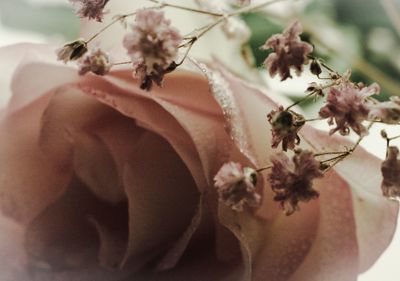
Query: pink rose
{"x": 103, "y": 181}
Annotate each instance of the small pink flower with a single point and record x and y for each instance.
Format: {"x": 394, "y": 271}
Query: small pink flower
{"x": 236, "y": 186}
{"x": 391, "y": 173}
{"x": 95, "y": 61}
{"x": 292, "y": 180}
{"x": 285, "y": 127}
{"x": 91, "y": 9}
{"x": 387, "y": 112}
{"x": 153, "y": 46}
{"x": 349, "y": 107}
{"x": 289, "y": 51}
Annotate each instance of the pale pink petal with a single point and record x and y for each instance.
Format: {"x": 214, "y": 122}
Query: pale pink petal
{"x": 162, "y": 198}
{"x": 334, "y": 254}
{"x": 12, "y": 254}
{"x": 30, "y": 179}
{"x": 375, "y": 215}
{"x": 61, "y": 242}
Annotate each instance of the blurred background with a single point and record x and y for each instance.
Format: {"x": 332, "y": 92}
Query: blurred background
{"x": 361, "y": 34}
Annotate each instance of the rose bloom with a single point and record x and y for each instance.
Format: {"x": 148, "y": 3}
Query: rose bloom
{"x": 102, "y": 181}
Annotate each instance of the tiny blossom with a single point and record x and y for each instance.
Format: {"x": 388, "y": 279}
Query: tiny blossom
{"x": 285, "y": 126}
{"x": 391, "y": 173}
{"x": 91, "y": 9}
{"x": 72, "y": 51}
{"x": 387, "y": 112}
{"x": 289, "y": 51}
{"x": 236, "y": 186}
{"x": 292, "y": 180}
{"x": 95, "y": 61}
{"x": 349, "y": 107}
{"x": 153, "y": 46}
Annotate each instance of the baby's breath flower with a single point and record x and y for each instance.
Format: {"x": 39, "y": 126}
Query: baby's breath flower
{"x": 391, "y": 173}
{"x": 91, "y": 9}
{"x": 236, "y": 186}
{"x": 153, "y": 46}
{"x": 72, "y": 51}
{"x": 292, "y": 180}
{"x": 289, "y": 52}
{"x": 387, "y": 112}
{"x": 348, "y": 106}
{"x": 95, "y": 61}
{"x": 285, "y": 126}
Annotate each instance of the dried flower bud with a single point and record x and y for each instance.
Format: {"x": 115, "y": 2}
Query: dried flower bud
{"x": 236, "y": 186}
{"x": 153, "y": 46}
{"x": 391, "y": 173}
{"x": 285, "y": 126}
{"x": 387, "y": 112}
{"x": 91, "y": 9}
{"x": 292, "y": 180}
{"x": 315, "y": 67}
{"x": 384, "y": 134}
{"x": 349, "y": 107}
{"x": 72, "y": 51}
{"x": 316, "y": 89}
{"x": 289, "y": 52}
{"x": 95, "y": 61}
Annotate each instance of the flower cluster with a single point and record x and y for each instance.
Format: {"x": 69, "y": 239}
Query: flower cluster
{"x": 153, "y": 46}
{"x": 236, "y": 186}
{"x": 96, "y": 61}
{"x": 91, "y": 9}
{"x": 348, "y": 106}
{"x": 292, "y": 180}
{"x": 391, "y": 173}
{"x": 289, "y": 52}
{"x": 285, "y": 127}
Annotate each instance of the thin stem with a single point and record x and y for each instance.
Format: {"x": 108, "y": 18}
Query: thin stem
{"x": 248, "y": 9}
{"x": 122, "y": 63}
{"x": 330, "y": 153}
{"x": 199, "y": 11}
{"x": 301, "y": 100}
{"x": 314, "y": 119}
{"x": 263, "y": 169}
{"x": 393, "y": 138}
{"x": 340, "y": 158}
{"x": 117, "y": 19}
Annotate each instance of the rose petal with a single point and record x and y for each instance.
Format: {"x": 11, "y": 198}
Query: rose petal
{"x": 375, "y": 215}
{"x": 10, "y": 57}
{"x": 12, "y": 254}
{"x": 334, "y": 254}
{"x": 61, "y": 241}
{"x": 156, "y": 186}
{"x": 30, "y": 179}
